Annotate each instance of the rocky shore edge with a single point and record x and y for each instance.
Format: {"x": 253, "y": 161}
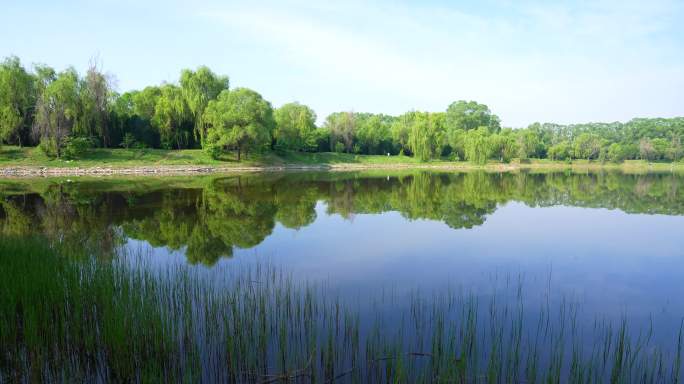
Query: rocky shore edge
{"x": 36, "y": 171}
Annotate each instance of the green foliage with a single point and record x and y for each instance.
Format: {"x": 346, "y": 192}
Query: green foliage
{"x": 426, "y": 135}
{"x": 75, "y": 147}
{"x": 675, "y": 151}
{"x": 239, "y": 119}
{"x": 17, "y": 98}
{"x": 57, "y": 111}
{"x": 477, "y": 146}
{"x": 94, "y": 93}
{"x": 503, "y": 146}
{"x": 295, "y": 127}
{"x": 618, "y": 152}
{"x": 587, "y": 146}
{"x": 400, "y": 129}
{"x": 45, "y": 107}
{"x": 322, "y": 139}
{"x": 374, "y": 135}
{"x": 560, "y": 151}
{"x": 467, "y": 115}
{"x": 342, "y": 126}
{"x": 198, "y": 88}
{"x": 170, "y": 118}
{"x": 527, "y": 143}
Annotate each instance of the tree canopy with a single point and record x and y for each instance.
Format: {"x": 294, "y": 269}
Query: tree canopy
{"x": 239, "y": 119}
{"x": 62, "y": 110}
{"x": 295, "y": 127}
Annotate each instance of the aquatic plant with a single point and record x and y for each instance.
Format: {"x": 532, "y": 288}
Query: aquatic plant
{"x": 66, "y": 317}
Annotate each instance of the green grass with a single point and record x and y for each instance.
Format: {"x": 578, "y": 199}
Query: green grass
{"x": 15, "y": 156}
{"x": 119, "y": 158}
{"x": 66, "y": 317}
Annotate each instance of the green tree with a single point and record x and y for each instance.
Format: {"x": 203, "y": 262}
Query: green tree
{"x": 343, "y": 126}
{"x": 674, "y": 152}
{"x": 57, "y": 111}
{"x": 322, "y": 139}
{"x": 503, "y": 146}
{"x": 170, "y": 116}
{"x": 17, "y": 98}
{"x": 477, "y": 145}
{"x": 456, "y": 140}
{"x": 560, "y": 151}
{"x": 467, "y": 115}
{"x": 425, "y": 136}
{"x": 295, "y": 127}
{"x": 587, "y": 146}
{"x": 527, "y": 143}
{"x": 238, "y": 119}
{"x": 374, "y": 135}
{"x": 145, "y": 101}
{"x": 646, "y": 149}
{"x": 95, "y": 93}
{"x": 619, "y": 152}
{"x": 400, "y": 129}
{"x": 198, "y": 88}
{"x": 661, "y": 147}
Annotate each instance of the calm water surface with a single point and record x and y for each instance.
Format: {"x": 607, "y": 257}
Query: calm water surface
{"x": 612, "y": 242}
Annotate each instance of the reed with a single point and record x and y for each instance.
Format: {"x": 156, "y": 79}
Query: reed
{"x": 66, "y": 317}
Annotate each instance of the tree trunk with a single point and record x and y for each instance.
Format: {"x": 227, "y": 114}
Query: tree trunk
{"x": 238, "y": 148}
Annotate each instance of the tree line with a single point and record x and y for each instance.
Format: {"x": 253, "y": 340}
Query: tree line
{"x": 65, "y": 113}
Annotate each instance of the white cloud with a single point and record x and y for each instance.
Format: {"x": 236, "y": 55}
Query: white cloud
{"x": 577, "y": 62}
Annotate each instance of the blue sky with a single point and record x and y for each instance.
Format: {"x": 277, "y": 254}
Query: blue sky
{"x": 571, "y": 61}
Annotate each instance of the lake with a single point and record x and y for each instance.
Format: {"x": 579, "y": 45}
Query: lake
{"x": 608, "y": 244}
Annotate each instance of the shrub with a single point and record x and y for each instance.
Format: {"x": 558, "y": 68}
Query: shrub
{"x": 213, "y": 150}
{"x": 75, "y": 147}
{"x": 49, "y": 147}
{"x": 128, "y": 141}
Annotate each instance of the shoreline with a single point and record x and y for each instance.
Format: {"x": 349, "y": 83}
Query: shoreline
{"x": 177, "y": 170}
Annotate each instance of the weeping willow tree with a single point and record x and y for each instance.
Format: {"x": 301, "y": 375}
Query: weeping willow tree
{"x": 426, "y": 135}
{"x": 17, "y": 97}
{"x": 477, "y": 146}
{"x": 198, "y": 88}
{"x": 170, "y": 117}
{"x": 57, "y": 110}
{"x": 95, "y": 93}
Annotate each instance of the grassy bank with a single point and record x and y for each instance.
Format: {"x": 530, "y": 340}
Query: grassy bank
{"x": 17, "y": 158}
{"x": 64, "y": 317}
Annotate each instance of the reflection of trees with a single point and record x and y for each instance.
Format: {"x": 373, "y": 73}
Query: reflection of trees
{"x": 62, "y": 216}
{"x": 211, "y": 219}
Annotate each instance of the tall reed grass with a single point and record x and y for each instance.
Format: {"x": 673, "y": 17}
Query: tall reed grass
{"x": 66, "y": 317}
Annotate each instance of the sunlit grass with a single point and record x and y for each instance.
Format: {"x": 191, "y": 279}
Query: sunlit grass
{"x": 120, "y": 157}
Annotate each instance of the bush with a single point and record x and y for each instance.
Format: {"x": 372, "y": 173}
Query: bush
{"x": 213, "y": 150}
{"x": 48, "y": 147}
{"x": 75, "y": 147}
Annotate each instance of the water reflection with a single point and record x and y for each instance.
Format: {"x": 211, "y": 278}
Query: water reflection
{"x": 210, "y": 217}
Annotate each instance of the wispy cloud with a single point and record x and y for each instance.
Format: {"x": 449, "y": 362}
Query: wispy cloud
{"x": 577, "y": 61}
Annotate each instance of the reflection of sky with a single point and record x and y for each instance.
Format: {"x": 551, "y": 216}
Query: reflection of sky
{"x": 614, "y": 263}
